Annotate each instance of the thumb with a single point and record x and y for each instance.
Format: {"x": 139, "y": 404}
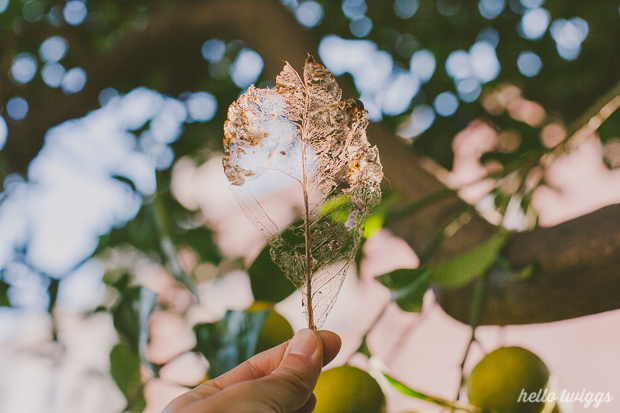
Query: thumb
{"x": 289, "y": 387}
{"x": 297, "y": 374}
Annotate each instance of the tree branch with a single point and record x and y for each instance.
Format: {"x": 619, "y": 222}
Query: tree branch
{"x": 577, "y": 273}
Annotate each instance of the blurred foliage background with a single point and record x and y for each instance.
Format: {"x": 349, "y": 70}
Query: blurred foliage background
{"x": 114, "y": 219}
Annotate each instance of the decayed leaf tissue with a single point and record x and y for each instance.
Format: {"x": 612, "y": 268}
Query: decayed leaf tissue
{"x": 303, "y": 132}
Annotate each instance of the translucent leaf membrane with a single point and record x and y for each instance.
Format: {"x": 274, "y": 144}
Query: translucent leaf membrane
{"x": 302, "y": 132}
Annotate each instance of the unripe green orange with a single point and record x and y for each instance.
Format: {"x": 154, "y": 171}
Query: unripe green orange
{"x": 348, "y": 389}
{"x": 503, "y": 376}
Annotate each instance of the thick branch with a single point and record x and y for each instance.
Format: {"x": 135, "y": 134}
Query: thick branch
{"x": 578, "y": 261}
{"x": 577, "y": 273}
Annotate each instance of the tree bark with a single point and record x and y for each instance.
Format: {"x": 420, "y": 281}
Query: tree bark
{"x": 577, "y": 262}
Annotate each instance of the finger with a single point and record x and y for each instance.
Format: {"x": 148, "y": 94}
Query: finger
{"x": 258, "y": 366}
{"x": 331, "y": 345}
{"x": 296, "y": 365}
{"x": 287, "y": 388}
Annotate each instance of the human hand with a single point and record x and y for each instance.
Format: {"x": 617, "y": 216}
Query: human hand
{"x": 278, "y": 380}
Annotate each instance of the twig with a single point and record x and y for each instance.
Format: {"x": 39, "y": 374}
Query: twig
{"x": 474, "y": 318}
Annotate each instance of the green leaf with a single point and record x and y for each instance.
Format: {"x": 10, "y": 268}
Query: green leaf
{"x": 268, "y": 281}
{"x": 404, "y": 389}
{"x": 452, "y": 406}
{"x": 464, "y": 268}
{"x": 4, "y": 296}
{"x": 407, "y": 287}
{"x": 125, "y": 369}
{"x": 373, "y": 224}
{"x": 131, "y": 318}
{"x": 231, "y": 340}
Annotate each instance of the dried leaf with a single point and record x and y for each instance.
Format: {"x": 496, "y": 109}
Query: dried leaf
{"x": 302, "y": 132}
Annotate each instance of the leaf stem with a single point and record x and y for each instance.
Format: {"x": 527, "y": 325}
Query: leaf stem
{"x": 304, "y": 185}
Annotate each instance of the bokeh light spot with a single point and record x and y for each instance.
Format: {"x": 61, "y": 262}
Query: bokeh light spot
{"x": 532, "y": 4}
{"x": 568, "y": 36}
{"x": 490, "y": 9}
{"x": 488, "y": 35}
{"x": 4, "y": 132}
{"x": 446, "y": 104}
{"x": 469, "y": 89}
{"x": 399, "y": 92}
{"x": 17, "y": 108}
{"x": 53, "y": 74}
{"x": 201, "y": 106}
{"x": 53, "y": 49}
{"x": 457, "y": 64}
{"x": 406, "y": 44}
{"x": 74, "y": 12}
{"x": 213, "y": 50}
{"x": 483, "y": 61}
{"x": 360, "y": 27}
{"x": 422, "y": 117}
{"x": 534, "y": 23}
{"x": 529, "y": 64}
{"x": 354, "y": 9}
{"x": 3, "y": 5}
{"x": 309, "y": 13}
{"x": 106, "y": 96}
{"x": 32, "y": 11}
{"x": 24, "y": 68}
{"x": 423, "y": 64}
{"x": 448, "y": 8}
{"x": 405, "y": 9}
{"x": 74, "y": 80}
{"x": 54, "y": 16}
{"x": 247, "y": 67}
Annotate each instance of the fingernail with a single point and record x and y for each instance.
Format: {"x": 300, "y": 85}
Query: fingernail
{"x": 304, "y": 343}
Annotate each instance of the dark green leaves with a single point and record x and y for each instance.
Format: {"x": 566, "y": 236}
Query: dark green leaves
{"x": 231, "y": 340}
{"x": 268, "y": 280}
{"x": 125, "y": 369}
{"x": 407, "y": 286}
